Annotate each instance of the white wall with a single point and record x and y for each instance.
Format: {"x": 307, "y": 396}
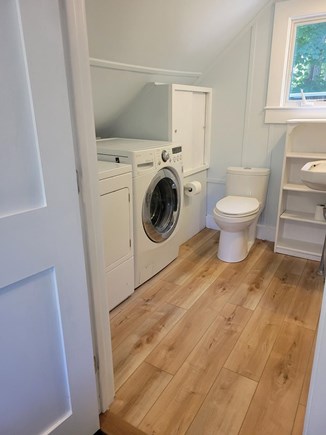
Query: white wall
{"x": 239, "y": 136}
{"x": 114, "y": 91}
{"x": 176, "y": 35}
{"x": 142, "y": 41}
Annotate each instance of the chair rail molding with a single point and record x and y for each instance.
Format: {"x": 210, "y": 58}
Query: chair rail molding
{"x": 101, "y": 63}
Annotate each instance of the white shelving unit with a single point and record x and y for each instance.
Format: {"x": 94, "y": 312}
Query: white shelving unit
{"x": 298, "y": 233}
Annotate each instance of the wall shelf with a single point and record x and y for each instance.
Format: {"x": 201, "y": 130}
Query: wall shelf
{"x": 311, "y": 156}
{"x": 300, "y": 188}
{"x": 301, "y": 217}
{"x": 298, "y": 233}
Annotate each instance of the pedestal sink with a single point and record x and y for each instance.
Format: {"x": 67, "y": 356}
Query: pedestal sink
{"x": 313, "y": 174}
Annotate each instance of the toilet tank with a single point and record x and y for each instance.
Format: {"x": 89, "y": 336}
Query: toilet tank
{"x": 246, "y": 181}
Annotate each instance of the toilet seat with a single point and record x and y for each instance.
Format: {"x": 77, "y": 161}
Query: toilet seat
{"x": 237, "y": 206}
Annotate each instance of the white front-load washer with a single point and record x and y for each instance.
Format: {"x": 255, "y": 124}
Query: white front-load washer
{"x": 157, "y": 171}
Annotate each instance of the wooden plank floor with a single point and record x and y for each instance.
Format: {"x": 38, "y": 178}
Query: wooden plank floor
{"x": 207, "y": 347}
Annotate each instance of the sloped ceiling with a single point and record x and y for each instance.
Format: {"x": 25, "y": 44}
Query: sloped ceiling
{"x": 171, "y": 34}
{"x": 182, "y": 35}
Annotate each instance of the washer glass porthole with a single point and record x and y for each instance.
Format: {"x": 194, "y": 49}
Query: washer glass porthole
{"x": 161, "y": 206}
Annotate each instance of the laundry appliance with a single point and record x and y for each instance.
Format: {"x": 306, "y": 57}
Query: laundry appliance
{"x": 157, "y": 172}
{"x": 115, "y": 188}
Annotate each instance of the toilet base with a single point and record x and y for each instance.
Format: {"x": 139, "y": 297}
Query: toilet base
{"x": 233, "y": 246}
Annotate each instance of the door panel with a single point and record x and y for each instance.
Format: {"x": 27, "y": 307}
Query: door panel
{"x": 21, "y": 184}
{"x": 40, "y": 362}
{"x": 47, "y": 374}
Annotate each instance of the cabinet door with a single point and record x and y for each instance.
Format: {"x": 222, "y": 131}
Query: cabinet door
{"x": 188, "y": 126}
{"x": 47, "y": 373}
{"x": 115, "y": 208}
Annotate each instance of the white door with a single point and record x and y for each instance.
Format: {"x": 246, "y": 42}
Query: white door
{"x": 47, "y": 381}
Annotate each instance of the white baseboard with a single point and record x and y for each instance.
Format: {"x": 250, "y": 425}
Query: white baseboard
{"x": 264, "y": 232}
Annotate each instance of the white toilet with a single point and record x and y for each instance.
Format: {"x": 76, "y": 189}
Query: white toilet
{"x": 237, "y": 214}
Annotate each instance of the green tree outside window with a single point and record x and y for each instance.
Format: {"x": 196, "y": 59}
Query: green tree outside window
{"x": 309, "y": 62}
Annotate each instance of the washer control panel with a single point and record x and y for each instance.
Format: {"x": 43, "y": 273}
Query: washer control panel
{"x": 169, "y": 155}
{"x": 176, "y": 154}
{"x": 145, "y": 160}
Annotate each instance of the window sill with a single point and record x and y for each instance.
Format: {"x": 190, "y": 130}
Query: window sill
{"x": 192, "y": 171}
{"x": 280, "y": 115}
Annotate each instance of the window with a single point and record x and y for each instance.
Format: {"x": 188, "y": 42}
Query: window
{"x": 307, "y": 78}
{"x": 297, "y": 77}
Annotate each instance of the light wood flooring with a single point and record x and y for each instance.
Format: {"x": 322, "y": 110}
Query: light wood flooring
{"x": 207, "y": 347}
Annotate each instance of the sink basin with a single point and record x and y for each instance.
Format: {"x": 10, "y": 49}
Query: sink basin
{"x": 313, "y": 175}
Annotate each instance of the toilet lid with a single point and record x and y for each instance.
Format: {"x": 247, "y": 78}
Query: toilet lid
{"x": 237, "y": 205}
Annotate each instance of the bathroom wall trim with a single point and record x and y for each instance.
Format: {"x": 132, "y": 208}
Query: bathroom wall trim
{"x": 101, "y": 63}
{"x": 211, "y": 180}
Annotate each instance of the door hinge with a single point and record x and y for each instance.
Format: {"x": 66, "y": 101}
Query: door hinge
{"x": 96, "y": 364}
{"x": 129, "y": 197}
{"x": 78, "y": 181}
{"x": 130, "y": 243}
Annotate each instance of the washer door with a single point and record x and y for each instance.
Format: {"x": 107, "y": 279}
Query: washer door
{"x": 161, "y": 206}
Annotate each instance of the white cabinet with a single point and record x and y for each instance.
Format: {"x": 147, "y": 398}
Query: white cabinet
{"x": 298, "y": 233}
{"x": 177, "y": 113}
{"x": 190, "y": 124}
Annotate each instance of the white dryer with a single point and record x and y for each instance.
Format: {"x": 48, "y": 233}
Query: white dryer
{"x": 115, "y": 186}
{"x": 157, "y": 170}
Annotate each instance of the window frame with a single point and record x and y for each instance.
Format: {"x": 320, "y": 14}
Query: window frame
{"x": 288, "y": 14}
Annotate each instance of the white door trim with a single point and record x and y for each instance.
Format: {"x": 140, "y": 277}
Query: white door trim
{"x": 75, "y": 36}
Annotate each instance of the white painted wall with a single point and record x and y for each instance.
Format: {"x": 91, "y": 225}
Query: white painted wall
{"x": 168, "y": 34}
{"x": 239, "y": 136}
{"x": 173, "y": 42}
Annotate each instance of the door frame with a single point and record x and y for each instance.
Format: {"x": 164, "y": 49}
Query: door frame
{"x": 82, "y": 118}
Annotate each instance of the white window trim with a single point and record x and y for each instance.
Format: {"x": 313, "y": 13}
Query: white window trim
{"x": 278, "y": 110}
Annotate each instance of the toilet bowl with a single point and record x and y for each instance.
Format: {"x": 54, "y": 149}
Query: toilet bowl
{"x": 237, "y": 214}
{"x": 234, "y": 215}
